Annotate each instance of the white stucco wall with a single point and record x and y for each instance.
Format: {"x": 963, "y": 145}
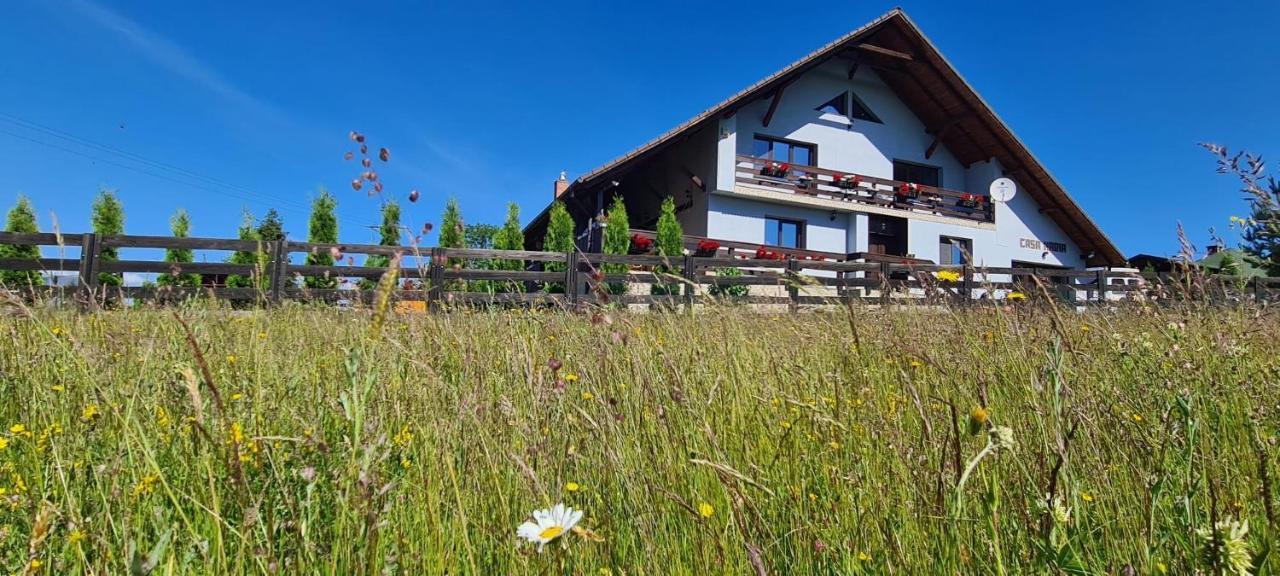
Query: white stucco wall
{"x": 862, "y": 147}
{"x": 743, "y": 220}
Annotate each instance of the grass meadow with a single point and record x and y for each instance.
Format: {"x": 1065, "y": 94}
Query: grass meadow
{"x": 317, "y": 441}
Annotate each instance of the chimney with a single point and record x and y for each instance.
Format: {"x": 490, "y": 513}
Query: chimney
{"x": 1214, "y": 249}
{"x": 562, "y": 184}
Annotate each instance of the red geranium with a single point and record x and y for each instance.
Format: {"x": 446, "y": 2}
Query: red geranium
{"x": 642, "y": 243}
{"x": 708, "y": 247}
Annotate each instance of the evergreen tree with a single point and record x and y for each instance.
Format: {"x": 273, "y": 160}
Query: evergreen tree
{"x": 21, "y": 220}
{"x": 388, "y": 235}
{"x": 108, "y": 220}
{"x": 323, "y": 229}
{"x": 180, "y": 226}
{"x": 246, "y": 232}
{"x": 510, "y": 237}
{"x": 480, "y": 236}
{"x": 558, "y": 238}
{"x": 670, "y": 244}
{"x": 452, "y": 235}
{"x": 617, "y": 240}
{"x": 272, "y": 227}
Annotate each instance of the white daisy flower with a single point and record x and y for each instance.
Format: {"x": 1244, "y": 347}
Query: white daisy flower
{"x": 549, "y": 524}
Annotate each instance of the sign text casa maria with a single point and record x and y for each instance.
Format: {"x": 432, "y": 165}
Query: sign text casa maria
{"x": 1034, "y": 244}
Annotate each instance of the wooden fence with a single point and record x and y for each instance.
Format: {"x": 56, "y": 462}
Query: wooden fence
{"x": 436, "y": 277}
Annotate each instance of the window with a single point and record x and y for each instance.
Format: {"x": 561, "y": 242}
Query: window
{"x": 952, "y": 251}
{"x": 838, "y": 105}
{"x": 779, "y": 150}
{"x": 858, "y": 110}
{"x": 783, "y": 233}
{"x": 917, "y": 173}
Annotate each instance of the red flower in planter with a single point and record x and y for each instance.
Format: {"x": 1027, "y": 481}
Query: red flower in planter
{"x": 641, "y": 243}
{"x": 708, "y": 247}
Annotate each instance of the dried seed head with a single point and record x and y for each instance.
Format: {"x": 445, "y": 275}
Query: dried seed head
{"x": 384, "y": 154}
{"x": 413, "y": 197}
{"x": 356, "y": 184}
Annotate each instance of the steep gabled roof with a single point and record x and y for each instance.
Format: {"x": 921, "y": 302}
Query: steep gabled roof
{"x": 929, "y": 85}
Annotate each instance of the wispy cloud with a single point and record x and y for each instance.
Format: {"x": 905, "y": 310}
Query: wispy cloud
{"x": 170, "y": 56}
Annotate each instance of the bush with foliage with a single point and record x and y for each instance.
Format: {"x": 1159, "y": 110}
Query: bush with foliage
{"x": 558, "y": 238}
{"x": 729, "y": 290}
{"x": 510, "y": 237}
{"x": 323, "y": 229}
{"x": 180, "y": 226}
{"x": 670, "y": 245}
{"x": 388, "y": 235}
{"x": 617, "y": 240}
{"x": 108, "y": 220}
{"x": 21, "y": 220}
{"x": 255, "y": 258}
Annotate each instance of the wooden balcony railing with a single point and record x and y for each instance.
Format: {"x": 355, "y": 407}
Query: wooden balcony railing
{"x": 893, "y": 194}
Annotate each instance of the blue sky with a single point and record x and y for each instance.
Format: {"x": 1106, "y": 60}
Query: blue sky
{"x": 216, "y": 108}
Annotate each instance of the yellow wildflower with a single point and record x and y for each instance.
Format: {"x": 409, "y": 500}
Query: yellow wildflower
{"x": 588, "y": 396}
{"x": 57, "y": 387}
{"x": 916, "y": 364}
{"x": 236, "y": 433}
{"x": 1087, "y": 497}
{"x": 706, "y": 510}
{"x": 572, "y": 487}
{"x": 978, "y": 419}
{"x": 57, "y": 331}
{"x": 262, "y": 335}
{"x": 404, "y": 437}
{"x": 571, "y": 377}
{"x": 834, "y": 445}
{"x": 231, "y": 359}
{"x": 17, "y": 429}
{"x": 4, "y": 443}
{"x": 948, "y": 276}
{"x": 89, "y": 414}
{"x": 162, "y": 417}
{"x": 1016, "y": 296}
{"x": 786, "y": 425}
{"x": 36, "y": 564}
{"x": 863, "y": 556}
{"x": 1137, "y": 417}
{"x": 146, "y": 486}
{"x": 75, "y": 536}
{"x": 236, "y": 396}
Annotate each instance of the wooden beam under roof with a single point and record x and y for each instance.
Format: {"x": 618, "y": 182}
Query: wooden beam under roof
{"x": 941, "y": 133}
{"x": 773, "y": 104}
{"x": 872, "y": 48}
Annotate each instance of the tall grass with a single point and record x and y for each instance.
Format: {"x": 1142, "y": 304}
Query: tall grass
{"x": 314, "y": 441}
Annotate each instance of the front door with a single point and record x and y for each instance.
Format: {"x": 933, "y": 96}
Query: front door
{"x": 886, "y": 235}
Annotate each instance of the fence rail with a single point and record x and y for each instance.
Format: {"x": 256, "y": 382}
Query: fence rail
{"x": 434, "y": 277}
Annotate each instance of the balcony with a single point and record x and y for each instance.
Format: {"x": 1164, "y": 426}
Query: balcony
{"x": 827, "y": 184}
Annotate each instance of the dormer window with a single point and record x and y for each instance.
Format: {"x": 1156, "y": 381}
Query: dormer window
{"x": 849, "y": 107}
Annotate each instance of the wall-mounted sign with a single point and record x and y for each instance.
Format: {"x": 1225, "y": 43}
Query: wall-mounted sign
{"x": 1003, "y": 189}
{"x": 1033, "y": 244}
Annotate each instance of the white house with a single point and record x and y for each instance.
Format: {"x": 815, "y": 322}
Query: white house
{"x": 870, "y": 148}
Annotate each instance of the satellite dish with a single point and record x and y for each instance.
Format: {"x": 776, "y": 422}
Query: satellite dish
{"x": 1003, "y": 189}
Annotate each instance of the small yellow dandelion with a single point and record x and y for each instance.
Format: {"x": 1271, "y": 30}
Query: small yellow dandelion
{"x": 36, "y": 564}
{"x": 864, "y": 557}
{"x": 4, "y": 443}
{"x": 17, "y": 429}
{"x": 706, "y": 510}
{"x": 262, "y": 335}
{"x": 57, "y": 387}
{"x": 231, "y": 359}
{"x": 1087, "y": 497}
{"x": 572, "y": 487}
{"x": 588, "y": 396}
{"x": 813, "y": 497}
{"x": 1162, "y": 568}
{"x": 237, "y": 396}
{"x": 1084, "y": 329}
{"x": 834, "y": 445}
{"x": 406, "y": 463}
{"x": 75, "y": 536}
{"x": 1137, "y": 417}
{"x": 948, "y": 276}
{"x": 571, "y": 377}
{"x": 786, "y": 425}
{"x": 916, "y": 364}
{"x": 89, "y": 414}
{"x": 978, "y": 419}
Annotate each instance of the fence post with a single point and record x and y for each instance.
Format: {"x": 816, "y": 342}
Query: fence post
{"x": 435, "y": 283}
{"x": 571, "y": 277}
{"x": 885, "y": 285}
{"x": 690, "y": 274}
{"x": 89, "y": 253}
{"x": 793, "y": 289}
{"x": 967, "y": 286}
{"x": 1102, "y": 286}
{"x": 279, "y": 266}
